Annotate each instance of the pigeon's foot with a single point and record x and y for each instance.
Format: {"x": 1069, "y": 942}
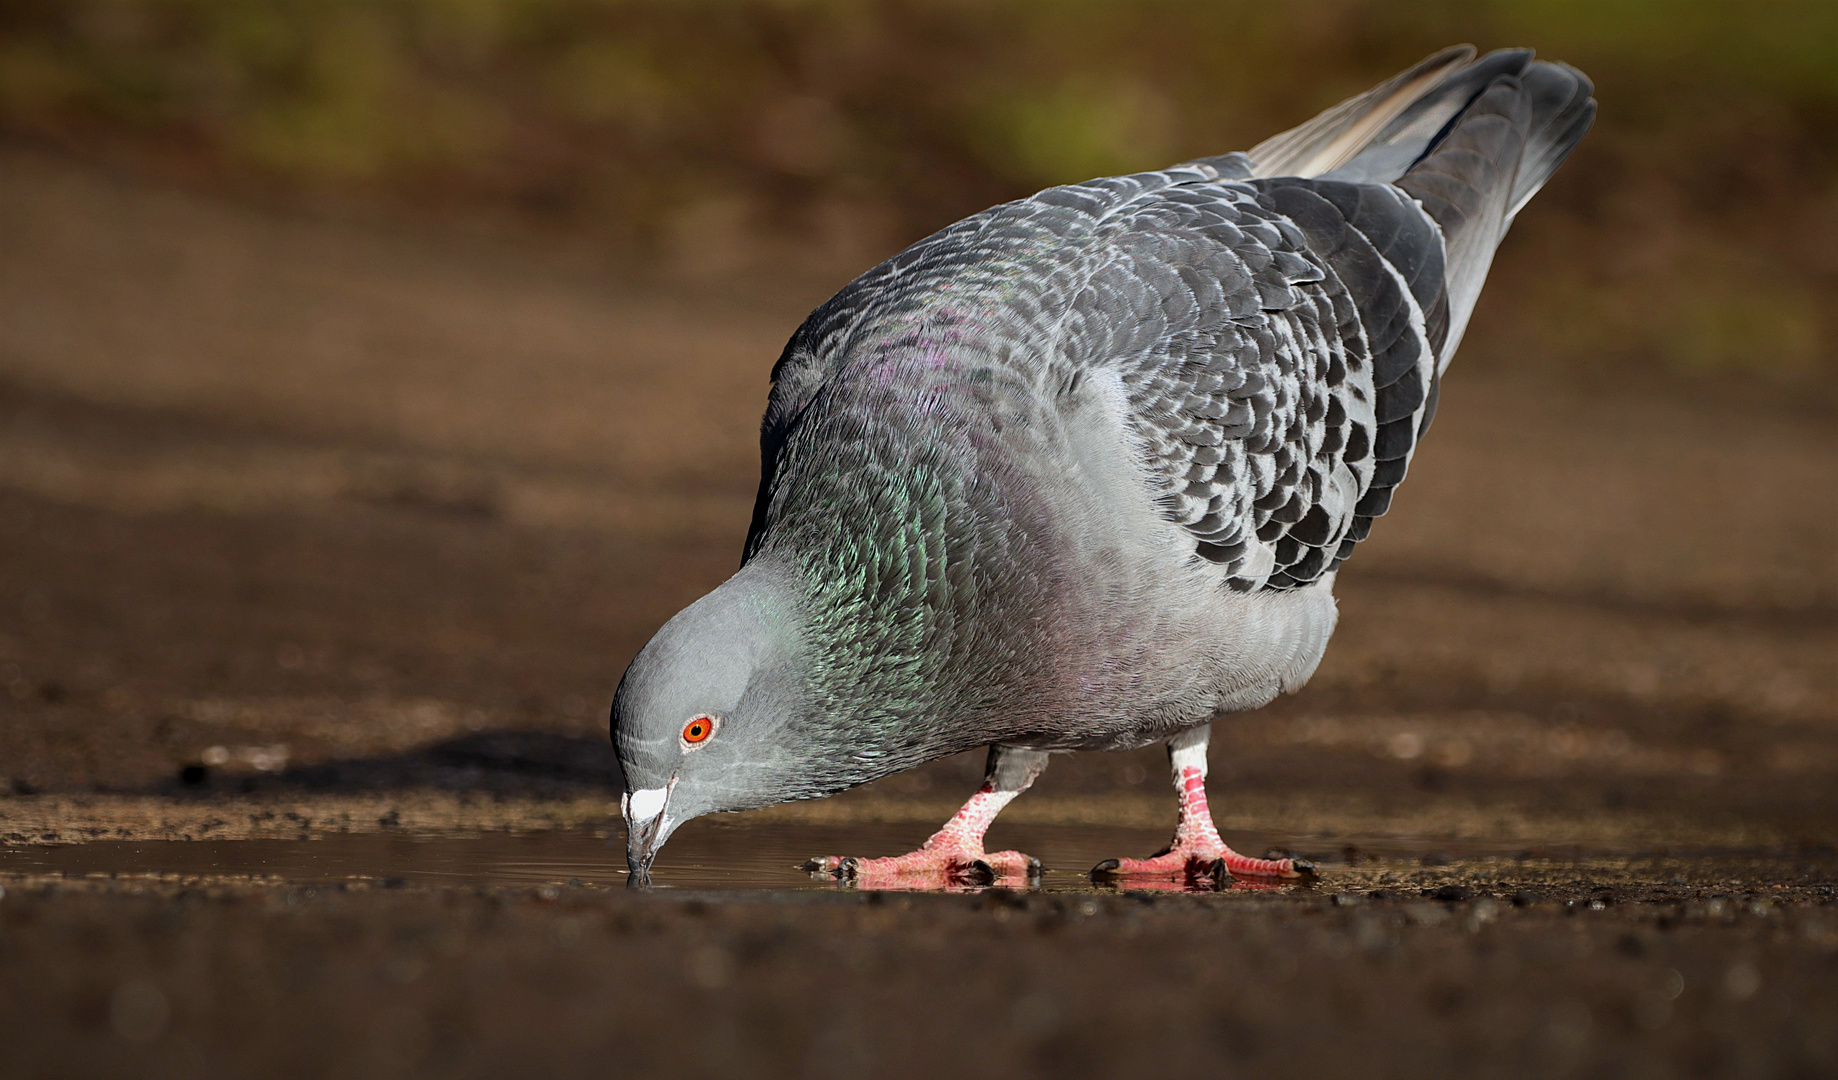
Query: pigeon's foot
{"x": 1201, "y": 864}
{"x": 914, "y": 869}
{"x": 940, "y": 867}
{"x": 954, "y": 856}
{"x": 1197, "y": 858}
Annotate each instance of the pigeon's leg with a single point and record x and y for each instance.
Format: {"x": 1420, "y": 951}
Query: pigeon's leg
{"x": 1197, "y": 852}
{"x": 954, "y": 855}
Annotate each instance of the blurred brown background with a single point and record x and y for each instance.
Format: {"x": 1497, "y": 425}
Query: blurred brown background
{"x": 376, "y": 376}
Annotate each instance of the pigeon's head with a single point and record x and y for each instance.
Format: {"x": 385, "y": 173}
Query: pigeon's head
{"x": 701, "y": 718}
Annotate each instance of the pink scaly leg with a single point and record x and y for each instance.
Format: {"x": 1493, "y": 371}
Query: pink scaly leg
{"x": 954, "y": 855}
{"x": 1197, "y": 852}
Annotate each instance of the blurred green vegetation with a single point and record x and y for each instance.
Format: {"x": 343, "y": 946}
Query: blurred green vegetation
{"x": 1698, "y": 226}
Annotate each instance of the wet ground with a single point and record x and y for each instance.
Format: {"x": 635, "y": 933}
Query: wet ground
{"x": 324, "y": 548}
{"x": 476, "y": 957}
{"x": 741, "y": 856}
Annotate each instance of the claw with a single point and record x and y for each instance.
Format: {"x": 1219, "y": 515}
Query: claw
{"x": 1276, "y": 866}
{"x": 1194, "y": 874}
{"x": 1014, "y": 864}
{"x": 822, "y": 866}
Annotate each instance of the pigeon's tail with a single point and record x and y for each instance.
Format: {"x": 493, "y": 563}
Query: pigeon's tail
{"x": 1386, "y": 131}
{"x": 1361, "y": 123}
{"x": 1472, "y": 140}
{"x": 1492, "y": 158}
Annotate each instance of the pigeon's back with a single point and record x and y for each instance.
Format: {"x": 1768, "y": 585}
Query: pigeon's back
{"x": 1281, "y": 337}
{"x": 1270, "y": 328}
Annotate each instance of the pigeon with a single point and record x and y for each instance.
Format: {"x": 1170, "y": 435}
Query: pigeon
{"x": 1077, "y": 472}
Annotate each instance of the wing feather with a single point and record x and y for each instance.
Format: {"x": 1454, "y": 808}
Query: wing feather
{"x": 1270, "y": 337}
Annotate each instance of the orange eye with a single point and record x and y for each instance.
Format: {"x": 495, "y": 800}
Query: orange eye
{"x": 698, "y": 730}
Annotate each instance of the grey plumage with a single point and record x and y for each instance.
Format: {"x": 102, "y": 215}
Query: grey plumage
{"x": 1076, "y": 472}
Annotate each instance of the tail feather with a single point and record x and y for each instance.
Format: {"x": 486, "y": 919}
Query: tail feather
{"x": 1466, "y": 183}
{"x": 1422, "y": 124}
{"x": 1488, "y": 163}
{"x": 1472, "y": 140}
{"x": 1562, "y": 110}
{"x": 1333, "y": 138}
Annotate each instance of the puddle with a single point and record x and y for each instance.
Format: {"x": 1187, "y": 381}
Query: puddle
{"x": 742, "y": 855}
{"x": 713, "y": 855}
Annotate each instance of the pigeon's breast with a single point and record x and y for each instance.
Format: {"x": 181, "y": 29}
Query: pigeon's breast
{"x": 997, "y": 532}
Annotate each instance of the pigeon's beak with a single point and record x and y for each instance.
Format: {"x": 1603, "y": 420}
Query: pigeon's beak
{"x": 646, "y": 828}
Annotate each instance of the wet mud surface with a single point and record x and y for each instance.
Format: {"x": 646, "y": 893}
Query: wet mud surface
{"x": 1697, "y": 964}
{"x": 742, "y": 857}
{"x": 321, "y": 552}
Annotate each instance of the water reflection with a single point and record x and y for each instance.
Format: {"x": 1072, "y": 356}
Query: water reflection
{"x": 718, "y": 855}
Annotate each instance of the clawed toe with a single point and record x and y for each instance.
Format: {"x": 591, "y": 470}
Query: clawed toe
{"x": 1275, "y": 865}
{"x": 1013, "y": 864}
{"x": 1160, "y": 869}
{"x": 845, "y": 868}
{"x": 927, "y": 870}
{"x": 1202, "y": 870}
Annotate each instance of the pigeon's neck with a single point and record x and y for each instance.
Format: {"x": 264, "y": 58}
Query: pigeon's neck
{"x": 922, "y": 583}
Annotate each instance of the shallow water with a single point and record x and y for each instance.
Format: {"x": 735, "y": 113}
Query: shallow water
{"x": 742, "y": 855}
{"x": 709, "y": 855}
